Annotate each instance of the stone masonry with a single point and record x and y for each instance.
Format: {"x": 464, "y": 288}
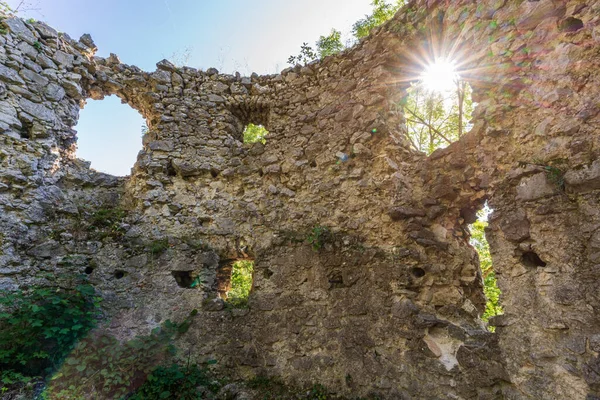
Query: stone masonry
{"x": 391, "y": 303}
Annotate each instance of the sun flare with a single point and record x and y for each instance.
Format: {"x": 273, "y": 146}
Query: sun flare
{"x": 440, "y": 76}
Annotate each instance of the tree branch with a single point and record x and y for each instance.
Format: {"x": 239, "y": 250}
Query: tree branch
{"x": 422, "y": 121}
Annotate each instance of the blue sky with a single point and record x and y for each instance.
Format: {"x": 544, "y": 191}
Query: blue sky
{"x": 231, "y": 35}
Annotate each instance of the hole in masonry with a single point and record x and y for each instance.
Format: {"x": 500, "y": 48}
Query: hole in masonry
{"x": 214, "y": 173}
{"x": 26, "y": 127}
{"x": 109, "y": 135}
{"x": 119, "y": 274}
{"x": 531, "y": 259}
{"x": 490, "y": 286}
{"x": 171, "y": 169}
{"x": 234, "y": 281}
{"x": 336, "y": 281}
{"x": 570, "y": 24}
{"x": 185, "y": 279}
{"x": 88, "y": 270}
{"x": 437, "y": 107}
{"x": 267, "y": 273}
{"x": 417, "y": 272}
{"x": 255, "y": 133}
{"x": 313, "y": 164}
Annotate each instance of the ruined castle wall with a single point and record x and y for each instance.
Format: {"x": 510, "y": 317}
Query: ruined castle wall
{"x": 393, "y": 297}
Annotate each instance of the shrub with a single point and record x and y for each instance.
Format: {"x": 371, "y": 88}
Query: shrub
{"x": 176, "y": 382}
{"x": 158, "y": 246}
{"x": 38, "y": 329}
{"x": 107, "y": 222}
{"x": 103, "y": 367}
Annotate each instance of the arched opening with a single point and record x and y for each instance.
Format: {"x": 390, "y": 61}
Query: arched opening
{"x": 108, "y": 135}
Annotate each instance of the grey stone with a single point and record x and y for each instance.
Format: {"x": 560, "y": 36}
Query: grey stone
{"x": 54, "y": 92}
{"x": 37, "y": 110}
{"x": 64, "y": 59}
{"x": 45, "y": 61}
{"x": 535, "y": 187}
{"x": 9, "y": 75}
{"x": 33, "y": 77}
{"x": 216, "y": 98}
{"x": 28, "y": 50}
{"x": 17, "y": 27}
{"x": 47, "y": 250}
{"x": 397, "y": 213}
{"x": 166, "y": 65}
{"x": 87, "y": 40}
{"x": 73, "y": 89}
{"x": 161, "y": 145}
{"x": 45, "y": 31}
{"x": 585, "y": 179}
{"x": 8, "y": 115}
{"x": 515, "y": 226}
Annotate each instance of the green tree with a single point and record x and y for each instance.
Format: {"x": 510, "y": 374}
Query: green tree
{"x": 330, "y": 44}
{"x": 382, "y": 12}
{"x": 435, "y": 119}
{"x": 490, "y": 285}
{"x": 306, "y": 55}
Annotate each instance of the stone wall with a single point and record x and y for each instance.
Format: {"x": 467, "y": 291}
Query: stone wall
{"x": 391, "y": 303}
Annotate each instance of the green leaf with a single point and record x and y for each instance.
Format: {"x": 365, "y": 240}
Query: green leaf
{"x": 165, "y": 395}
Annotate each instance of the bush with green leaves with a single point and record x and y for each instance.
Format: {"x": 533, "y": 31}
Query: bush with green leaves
{"x": 177, "y": 382}
{"x": 241, "y": 283}
{"x": 39, "y": 327}
{"x": 101, "y": 366}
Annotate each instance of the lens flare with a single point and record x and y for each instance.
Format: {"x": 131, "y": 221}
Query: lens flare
{"x": 441, "y": 76}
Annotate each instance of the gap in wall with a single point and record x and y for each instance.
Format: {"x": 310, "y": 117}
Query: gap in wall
{"x": 491, "y": 291}
{"x": 109, "y": 135}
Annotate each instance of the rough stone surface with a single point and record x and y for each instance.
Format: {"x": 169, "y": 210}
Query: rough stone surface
{"x": 393, "y": 297}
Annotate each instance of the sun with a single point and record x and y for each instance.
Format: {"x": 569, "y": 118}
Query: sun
{"x": 440, "y": 76}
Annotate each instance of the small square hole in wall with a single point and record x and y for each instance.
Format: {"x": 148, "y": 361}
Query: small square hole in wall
{"x": 255, "y": 133}
{"x": 185, "y": 279}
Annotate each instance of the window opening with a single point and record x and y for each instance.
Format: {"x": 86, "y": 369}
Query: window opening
{"x": 255, "y": 133}
{"x": 234, "y": 282}
{"x": 437, "y": 118}
{"x": 438, "y": 106}
{"x": 490, "y": 284}
{"x": 108, "y": 135}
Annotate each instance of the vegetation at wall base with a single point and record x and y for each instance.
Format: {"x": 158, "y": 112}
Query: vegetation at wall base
{"x": 38, "y": 329}
{"x": 177, "y": 382}
{"x": 101, "y": 366}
